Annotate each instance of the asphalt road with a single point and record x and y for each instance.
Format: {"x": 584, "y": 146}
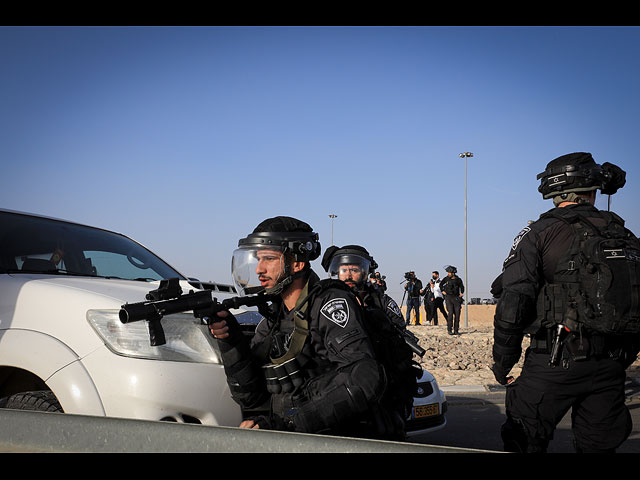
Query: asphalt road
{"x": 474, "y": 421}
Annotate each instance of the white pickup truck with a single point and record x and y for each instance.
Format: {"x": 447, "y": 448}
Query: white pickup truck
{"x": 63, "y": 347}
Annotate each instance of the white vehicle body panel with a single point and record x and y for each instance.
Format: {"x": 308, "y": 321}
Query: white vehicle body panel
{"x": 44, "y": 331}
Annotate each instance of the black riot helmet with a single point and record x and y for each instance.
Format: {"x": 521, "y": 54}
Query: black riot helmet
{"x": 578, "y": 172}
{"x": 450, "y": 269}
{"x": 353, "y": 256}
{"x": 294, "y": 238}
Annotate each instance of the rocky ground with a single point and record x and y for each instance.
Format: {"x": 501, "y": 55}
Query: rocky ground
{"x": 465, "y": 359}
{"x": 458, "y": 359}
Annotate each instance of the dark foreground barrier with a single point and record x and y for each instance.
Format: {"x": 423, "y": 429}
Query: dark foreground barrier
{"x": 26, "y": 431}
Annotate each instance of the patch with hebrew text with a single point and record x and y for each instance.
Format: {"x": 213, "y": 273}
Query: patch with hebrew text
{"x": 519, "y": 237}
{"x": 336, "y": 310}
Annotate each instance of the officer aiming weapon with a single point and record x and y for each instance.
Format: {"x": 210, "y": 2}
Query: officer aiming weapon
{"x": 168, "y": 299}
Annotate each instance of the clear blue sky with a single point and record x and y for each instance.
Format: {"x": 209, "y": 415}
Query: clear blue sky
{"x": 186, "y": 138}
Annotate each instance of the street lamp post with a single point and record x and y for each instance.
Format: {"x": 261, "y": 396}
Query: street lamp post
{"x": 332, "y": 216}
{"x": 465, "y": 155}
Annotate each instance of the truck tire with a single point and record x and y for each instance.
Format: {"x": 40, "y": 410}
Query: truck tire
{"x": 42, "y": 401}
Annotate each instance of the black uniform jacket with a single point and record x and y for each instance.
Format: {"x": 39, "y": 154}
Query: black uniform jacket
{"x": 531, "y": 262}
{"x": 336, "y": 347}
{"x": 452, "y": 286}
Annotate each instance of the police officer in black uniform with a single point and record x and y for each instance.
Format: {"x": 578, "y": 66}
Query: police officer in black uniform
{"x": 351, "y": 264}
{"x": 565, "y": 368}
{"x": 395, "y": 345}
{"x": 310, "y": 363}
{"x": 452, "y": 288}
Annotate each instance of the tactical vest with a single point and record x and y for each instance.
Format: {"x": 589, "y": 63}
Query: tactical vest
{"x": 288, "y": 366}
{"x": 290, "y": 369}
{"x": 596, "y": 285}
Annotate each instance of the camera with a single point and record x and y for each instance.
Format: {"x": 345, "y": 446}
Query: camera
{"x": 408, "y": 276}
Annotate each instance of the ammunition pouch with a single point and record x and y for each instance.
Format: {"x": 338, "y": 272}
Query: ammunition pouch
{"x": 286, "y": 376}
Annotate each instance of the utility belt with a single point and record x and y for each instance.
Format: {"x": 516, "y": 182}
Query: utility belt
{"x": 579, "y": 346}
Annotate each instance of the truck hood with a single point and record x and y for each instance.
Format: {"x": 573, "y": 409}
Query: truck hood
{"x": 57, "y": 305}
{"x": 104, "y": 292}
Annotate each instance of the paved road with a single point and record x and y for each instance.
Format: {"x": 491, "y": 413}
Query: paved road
{"x": 474, "y": 420}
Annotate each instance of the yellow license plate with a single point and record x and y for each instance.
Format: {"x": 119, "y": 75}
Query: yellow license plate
{"x": 422, "y": 411}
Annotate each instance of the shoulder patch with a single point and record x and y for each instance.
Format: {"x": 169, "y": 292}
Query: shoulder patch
{"x": 336, "y": 310}
{"x": 393, "y": 306}
{"x": 519, "y": 237}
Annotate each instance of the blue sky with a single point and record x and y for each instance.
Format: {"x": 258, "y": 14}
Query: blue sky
{"x": 185, "y": 138}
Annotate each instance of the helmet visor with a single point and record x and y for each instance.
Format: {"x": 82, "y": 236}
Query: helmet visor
{"x": 256, "y": 268}
{"x": 349, "y": 268}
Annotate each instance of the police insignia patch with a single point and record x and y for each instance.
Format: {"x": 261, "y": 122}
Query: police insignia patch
{"x": 336, "y": 310}
{"x": 519, "y": 237}
{"x": 393, "y": 306}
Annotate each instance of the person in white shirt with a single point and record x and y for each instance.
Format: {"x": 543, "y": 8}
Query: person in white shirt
{"x": 433, "y": 299}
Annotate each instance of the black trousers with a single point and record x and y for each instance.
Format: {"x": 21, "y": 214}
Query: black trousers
{"x": 454, "y": 304}
{"x": 594, "y": 391}
{"x": 413, "y": 303}
{"x": 438, "y": 304}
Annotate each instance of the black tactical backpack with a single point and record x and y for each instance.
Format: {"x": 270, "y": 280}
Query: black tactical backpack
{"x": 392, "y": 352}
{"x": 597, "y": 282}
{"x": 396, "y": 357}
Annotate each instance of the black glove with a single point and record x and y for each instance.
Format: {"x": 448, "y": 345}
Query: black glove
{"x": 501, "y": 374}
{"x": 272, "y": 422}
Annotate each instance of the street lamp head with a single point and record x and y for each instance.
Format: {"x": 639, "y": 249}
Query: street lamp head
{"x": 466, "y": 154}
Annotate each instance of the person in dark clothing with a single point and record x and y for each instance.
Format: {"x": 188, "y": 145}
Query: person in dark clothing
{"x": 427, "y": 301}
{"x": 413, "y": 288}
{"x": 433, "y": 299}
{"x": 571, "y": 362}
{"x": 336, "y": 382}
{"x": 377, "y": 281}
{"x": 351, "y": 264}
{"x": 452, "y": 289}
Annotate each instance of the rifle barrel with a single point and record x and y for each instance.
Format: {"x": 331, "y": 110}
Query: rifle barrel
{"x": 133, "y": 312}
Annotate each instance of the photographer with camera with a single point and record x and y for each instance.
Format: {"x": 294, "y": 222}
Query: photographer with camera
{"x": 377, "y": 281}
{"x": 412, "y": 289}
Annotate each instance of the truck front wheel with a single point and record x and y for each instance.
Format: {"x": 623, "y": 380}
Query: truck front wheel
{"x": 42, "y": 401}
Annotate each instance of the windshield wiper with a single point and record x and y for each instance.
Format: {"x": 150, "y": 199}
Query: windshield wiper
{"x": 62, "y": 271}
{"x": 50, "y": 271}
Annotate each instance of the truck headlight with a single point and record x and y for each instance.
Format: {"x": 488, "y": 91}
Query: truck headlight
{"x": 187, "y": 339}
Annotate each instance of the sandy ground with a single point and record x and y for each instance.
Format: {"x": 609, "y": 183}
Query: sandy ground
{"x": 479, "y": 315}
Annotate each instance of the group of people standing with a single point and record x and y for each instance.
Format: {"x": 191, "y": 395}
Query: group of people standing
{"x": 437, "y": 294}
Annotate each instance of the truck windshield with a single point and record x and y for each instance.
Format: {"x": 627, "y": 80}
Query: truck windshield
{"x": 31, "y": 244}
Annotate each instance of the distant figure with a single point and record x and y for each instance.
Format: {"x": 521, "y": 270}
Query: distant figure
{"x": 452, "y": 289}
{"x": 412, "y": 289}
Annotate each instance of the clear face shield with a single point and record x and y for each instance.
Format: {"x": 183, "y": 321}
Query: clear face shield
{"x": 255, "y": 269}
{"x": 351, "y": 269}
